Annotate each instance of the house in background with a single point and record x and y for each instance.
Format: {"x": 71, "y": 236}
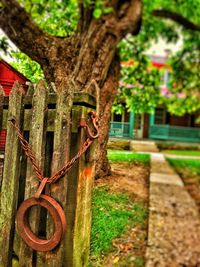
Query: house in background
{"x": 161, "y": 125}
{"x": 8, "y": 75}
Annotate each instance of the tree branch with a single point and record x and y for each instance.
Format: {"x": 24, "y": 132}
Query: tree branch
{"x": 85, "y": 16}
{"x": 177, "y": 18}
{"x": 23, "y": 32}
{"x": 130, "y": 14}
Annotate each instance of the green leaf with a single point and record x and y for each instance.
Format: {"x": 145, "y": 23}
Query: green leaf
{"x": 107, "y": 10}
{"x": 97, "y": 13}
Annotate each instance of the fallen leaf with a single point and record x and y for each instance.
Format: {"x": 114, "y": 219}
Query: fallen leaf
{"x": 116, "y": 259}
{"x": 125, "y": 247}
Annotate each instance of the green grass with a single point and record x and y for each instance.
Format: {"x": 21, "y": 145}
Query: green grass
{"x": 112, "y": 212}
{"x": 182, "y": 152}
{"x": 191, "y": 166}
{"x": 123, "y": 155}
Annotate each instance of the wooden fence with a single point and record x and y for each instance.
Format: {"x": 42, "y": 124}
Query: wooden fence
{"x": 53, "y": 132}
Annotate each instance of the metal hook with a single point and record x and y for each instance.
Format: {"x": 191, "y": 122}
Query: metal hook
{"x": 95, "y": 123}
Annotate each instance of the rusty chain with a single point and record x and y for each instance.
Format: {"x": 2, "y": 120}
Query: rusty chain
{"x": 27, "y": 149}
{"x": 29, "y": 153}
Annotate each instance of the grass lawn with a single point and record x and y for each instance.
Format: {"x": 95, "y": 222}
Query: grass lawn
{"x": 121, "y": 155}
{"x": 182, "y": 152}
{"x": 113, "y": 213}
{"x": 189, "y": 166}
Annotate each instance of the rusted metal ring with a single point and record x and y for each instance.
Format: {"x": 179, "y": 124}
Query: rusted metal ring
{"x": 57, "y": 214}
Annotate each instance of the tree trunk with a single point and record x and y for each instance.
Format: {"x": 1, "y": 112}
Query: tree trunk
{"x": 73, "y": 62}
{"x": 107, "y": 95}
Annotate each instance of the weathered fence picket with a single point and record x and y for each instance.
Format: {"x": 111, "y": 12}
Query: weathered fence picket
{"x": 10, "y": 181}
{"x": 51, "y": 124}
{"x": 37, "y": 140}
{"x": 83, "y": 186}
{"x": 61, "y": 151}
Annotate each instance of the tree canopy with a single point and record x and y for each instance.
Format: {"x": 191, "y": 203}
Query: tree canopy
{"x": 184, "y": 85}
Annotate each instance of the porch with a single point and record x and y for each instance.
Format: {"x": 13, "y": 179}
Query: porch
{"x": 120, "y": 129}
{"x": 174, "y": 133}
{"x": 156, "y": 132}
{"x": 160, "y": 125}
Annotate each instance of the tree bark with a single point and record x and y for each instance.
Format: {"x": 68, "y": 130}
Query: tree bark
{"x": 107, "y": 95}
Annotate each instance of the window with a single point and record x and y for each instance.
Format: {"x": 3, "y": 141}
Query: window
{"x": 117, "y": 117}
{"x": 160, "y": 116}
{"x": 124, "y": 117}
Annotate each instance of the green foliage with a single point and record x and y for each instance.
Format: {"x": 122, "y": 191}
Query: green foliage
{"x": 100, "y": 7}
{"x": 184, "y": 80}
{"x": 120, "y": 155}
{"x": 58, "y": 18}
{"x": 153, "y": 28}
{"x": 27, "y": 67}
{"x": 183, "y": 102}
{"x": 4, "y": 46}
{"x": 185, "y": 77}
{"x": 111, "y": 213}
{"x": 139, "y": 84}
{"x": 145, "y": 93}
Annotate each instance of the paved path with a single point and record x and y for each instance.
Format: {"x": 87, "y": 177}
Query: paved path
{"x": 174, "y": 224}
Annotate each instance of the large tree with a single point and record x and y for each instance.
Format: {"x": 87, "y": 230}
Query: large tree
{"x": 83, "y": 55}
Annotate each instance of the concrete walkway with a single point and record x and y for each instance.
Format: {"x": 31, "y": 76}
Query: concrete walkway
{"x": 174, "y": 224}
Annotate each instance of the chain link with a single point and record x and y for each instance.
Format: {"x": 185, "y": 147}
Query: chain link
{"x": 68, "y": 166}
{"x": 27, "y": 150}
{"x": 29, "y": 153}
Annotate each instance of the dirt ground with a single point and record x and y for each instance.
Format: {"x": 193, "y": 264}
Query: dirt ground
{"x": 129, "y": 249}
{"x": 192, "y": 184}
{"x": 193, "y": 188}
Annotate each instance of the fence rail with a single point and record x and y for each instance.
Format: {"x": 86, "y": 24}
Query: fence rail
{"x": 176, "y": 133}
{"x": 119, "y": 129}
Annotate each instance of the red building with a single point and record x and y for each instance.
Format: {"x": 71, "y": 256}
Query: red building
{"x": 8, "y": 75}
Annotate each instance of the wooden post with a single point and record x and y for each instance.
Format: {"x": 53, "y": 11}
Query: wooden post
{"x": 62, "y": 133}
{"x": 72, "y": 189}
{"x": 82, "y": 222}
{"x": 10, "y": 183}
{"x": 27, "y": 257}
